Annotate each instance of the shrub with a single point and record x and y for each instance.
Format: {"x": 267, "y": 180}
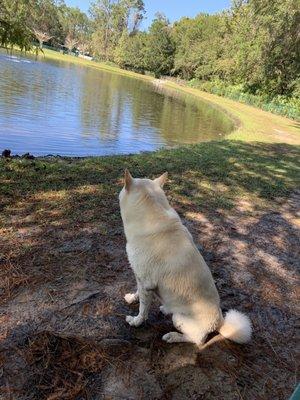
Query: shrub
{"x": 282, "y": 105}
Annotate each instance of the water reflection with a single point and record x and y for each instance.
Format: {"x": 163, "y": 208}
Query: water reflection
{"x": 61, "y": 108}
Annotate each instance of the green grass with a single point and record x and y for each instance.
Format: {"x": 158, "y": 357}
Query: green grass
{"x": 214, "y": 176}
{"x": 252, "y": 124}
{"x": 54, "y": 55}
{"x": 281, "y": 105}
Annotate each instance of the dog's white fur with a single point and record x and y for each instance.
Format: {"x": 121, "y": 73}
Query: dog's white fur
{"x": 167, "y": 263}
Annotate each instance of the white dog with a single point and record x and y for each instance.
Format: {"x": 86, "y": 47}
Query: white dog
{"x": 167, "y": 263}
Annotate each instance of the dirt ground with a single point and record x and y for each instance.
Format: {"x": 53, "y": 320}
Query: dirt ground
{"x": 63, "y": 331}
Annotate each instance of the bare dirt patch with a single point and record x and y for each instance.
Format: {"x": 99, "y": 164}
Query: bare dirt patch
{"x": 64, "y": 273}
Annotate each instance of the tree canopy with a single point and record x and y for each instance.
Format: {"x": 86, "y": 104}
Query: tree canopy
{"x": 14, "y": 29}
{"x": 254, "y": 44}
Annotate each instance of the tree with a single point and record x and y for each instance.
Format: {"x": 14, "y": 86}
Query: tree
{"x": 211, "y": 48}
{"x": 130, "y": 52}
{"x": 127, "y": 15}
{"x": 43, "y": 20}
{"x": 110, "y": 19}
{"x": 101, "y": 13}
{"x": 75, "y": 25}
{"x": 186, "y": 35}
{"x": 263, "y": 42}
{"x": 84, "y": 39}
{"x": 277, "y": 24}
{"x": 160, "y": 47}
{"x": 256, "y": 44}
{"x": 14, "y": 15}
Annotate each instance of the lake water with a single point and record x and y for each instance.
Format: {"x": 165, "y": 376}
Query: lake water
{"x": 49, "y": 107}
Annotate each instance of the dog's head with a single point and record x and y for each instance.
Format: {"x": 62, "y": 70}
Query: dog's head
{"x": 142, "y": 195}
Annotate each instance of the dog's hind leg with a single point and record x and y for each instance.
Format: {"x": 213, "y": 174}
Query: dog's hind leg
{"x": 190, "y": 328}
{"x": 175, "y": 337}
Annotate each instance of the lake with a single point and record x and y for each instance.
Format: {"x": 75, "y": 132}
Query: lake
{"x": 50, "y": 107}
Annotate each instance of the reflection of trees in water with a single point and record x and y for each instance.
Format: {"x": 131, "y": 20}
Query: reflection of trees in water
{"x": 179, "y": 117}
{"x": 104, "y": 105}
{"x": 36, "y": 86}
{"x": 11, "y": 87}
{"x": 95, "y": 98}
{"x": 113, "y": 105}
{"x": 185, "y": 118}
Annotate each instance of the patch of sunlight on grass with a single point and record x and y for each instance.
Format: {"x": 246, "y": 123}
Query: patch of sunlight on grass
{"x": 89, "y": 189}
{"x": 51, "y": 195}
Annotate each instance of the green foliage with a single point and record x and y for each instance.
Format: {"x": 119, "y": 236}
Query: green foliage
{"x": 129, "y": 53}
{"x": 186, "y": 33}
{"x": 282, "y": 105}
{"x": 22, "y": 21}
{"x": 256, "y": 43}
{"x": 263, "y": 42}
{"x": 14, "y": 15}
{"x": 160, "y": 47}
{"x": 112, "y": 18}
{"x": 250, "y": 53}
{"x": 153, "y": 51}
{"x": 76, "y": 27}
{"x": 198, "y": 45}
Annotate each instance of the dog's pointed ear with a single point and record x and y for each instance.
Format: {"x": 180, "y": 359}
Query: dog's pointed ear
{"x": 128, "y": 179}
{"x": 161, "y": 180}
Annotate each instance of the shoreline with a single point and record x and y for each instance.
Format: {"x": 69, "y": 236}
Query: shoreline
{"x": 251, "y": 123}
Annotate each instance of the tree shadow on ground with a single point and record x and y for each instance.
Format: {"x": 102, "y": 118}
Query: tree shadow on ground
{"x": 62, "y": 241}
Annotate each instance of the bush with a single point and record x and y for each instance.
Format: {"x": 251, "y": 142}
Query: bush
{"x": 282, "y": 105}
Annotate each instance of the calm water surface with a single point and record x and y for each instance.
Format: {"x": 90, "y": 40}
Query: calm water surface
{"x": 51, "y": 107}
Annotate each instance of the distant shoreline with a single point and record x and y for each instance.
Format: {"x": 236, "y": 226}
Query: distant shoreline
{"x": 252, "y": 124}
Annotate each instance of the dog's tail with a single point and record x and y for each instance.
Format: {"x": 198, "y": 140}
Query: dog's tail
{"x": 236, "y": 327}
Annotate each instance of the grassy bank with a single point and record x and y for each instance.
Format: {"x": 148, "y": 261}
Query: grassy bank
{"x": 253, "y": 124}
{"x": 54, "y": 55}
{"x": 282, "y": 105}
{"x": 212, "y": 175}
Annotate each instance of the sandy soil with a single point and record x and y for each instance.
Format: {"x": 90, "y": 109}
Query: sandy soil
{"x": 63, "y": 330}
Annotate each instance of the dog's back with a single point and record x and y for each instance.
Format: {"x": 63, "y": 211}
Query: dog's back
{"x": 161, "y": 249}
{"x": 164, "y": 258}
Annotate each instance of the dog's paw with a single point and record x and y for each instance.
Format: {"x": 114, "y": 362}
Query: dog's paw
{"x": 173, "y": 337}
{"x": 134, "y": 321}
{"x": 131, "y": 298}
{"x": 163, "y": 310}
